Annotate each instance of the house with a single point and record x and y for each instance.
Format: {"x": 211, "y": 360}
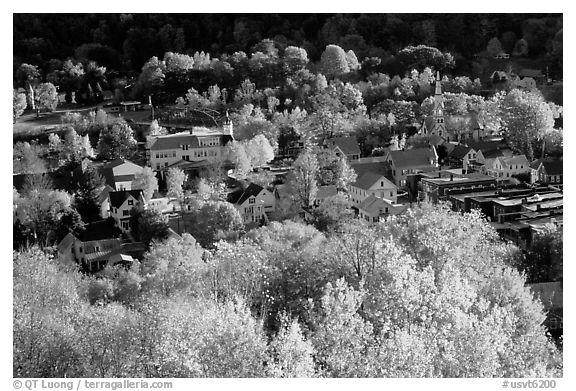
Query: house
{"x": 499, "y": 77}
{"x": 549, "y": 171}
{"x": 502, "y": 55}
{"x": 535, "y": 74}
{"x": 254, "y": 203}
{"x": 344, "y": 146}
{"x": 374, "y": 209}
{"x": 97, "y": 246}
{"x": 121, "y": 203}
{"x": 440, "y": 188}
{"x": 412, "y": 161}
{"x": 197, "y": 145}
{"x": 507, "y": 167}
{"x": 323, "y": 193}
{"x": 104, "y": 201}
{"x": 120, "y": 173}
{"x": 371, "y": 183}
{"x": 461, "y": 156}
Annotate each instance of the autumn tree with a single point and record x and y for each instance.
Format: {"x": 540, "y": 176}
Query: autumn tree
{"x": 527, "y": 118}
{"x": 302, "y": 180}
{"x": 239, "y": 158}
{"x": 422, "y": 56}
{"x": 259, "y": 151}
{"x": 148, "y": 225}
{"x": 116, "y": 141}
{"x": 19, "y": 104}
{"x": 215, "y": 220}
{"x": 45, "y": 98}
{"x": 146, "y": 181}
{"x": 87, "y": 195}
{"x": 334, "y": 61}
{"x": 175, "y": 179}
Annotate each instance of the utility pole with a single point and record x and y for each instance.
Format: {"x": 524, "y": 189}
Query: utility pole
{"x": 151, "y": 106}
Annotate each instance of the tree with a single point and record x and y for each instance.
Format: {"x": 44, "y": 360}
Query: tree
{"x": 302, "y": 179}
{"x": 86, "y": 150}
{"x": 543, "y": 259}
{"x": 55, "y": 144}
{"x": 239, "y": 158}
{"x": 73, "y": 146}
{"x": 292, "y": 354}
{"x": 332, "y": 212}
{"x": 19, "y": 104}
{"x": 45, "y": 97}
{"x": 27, "y": 159}
{"x": 295, "y": 59}
{"x": 520, "y": 48}
{"x": 422, "y": 56}
{"x": 116, "y": 141}
{"x": 527, "y": 118}
{"x": 87, "y": 195}
{"x": 494, "y": 47}
{"x": 175, "y": 179}
{"x": 334, "y": 61}
{"x": 175, "y": 265}
{"x": 215, "y": 220}
{"x": 146, "y": 181}
{"x": 148, "y": 225}
{"x": 259, "y": 151}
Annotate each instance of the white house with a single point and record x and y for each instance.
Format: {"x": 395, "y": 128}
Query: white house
{"x": 198, "y": 144}
{"x": 373, "y": 208}
{"x": 506, "y": 167}
{"x": 371, "y": 183}
{"x": 121, "y": 203}
{"x": 255, "y": 202}
{"x": 120, "y": 173}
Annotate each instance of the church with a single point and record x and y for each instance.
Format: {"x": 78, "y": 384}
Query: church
{"x": 461, "y": 127}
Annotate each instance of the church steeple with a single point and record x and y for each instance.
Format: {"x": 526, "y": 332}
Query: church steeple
{"x": 438, "y": 111}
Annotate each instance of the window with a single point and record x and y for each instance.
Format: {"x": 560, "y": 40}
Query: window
{"x": 386, "y": 209}
{"x": 252, "y": 200}
{"x": 80, "y": 249}
{"x": 166, "y": 164}
{"x": 381, "y": 183}
{"x": 391, "y": 194}
{"x": 157, "y": 166}
{"x": 174, "y": 154}
{"x": 125, "y": 213}
{"x": 157, "y": 155}
{"x": 130, "y": 202}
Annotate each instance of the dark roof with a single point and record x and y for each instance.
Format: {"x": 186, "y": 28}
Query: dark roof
{"x": 374, "y": 205}
{"x": 379, "y": 168}
{"x": 436, "y": 140}
{"x": 459, "y": 151}
{"x": 348, "y": 145}
{"x": 100, "y": 230}
{"x": 117, "y": 198}
{"x": 103, "y": 195}
{"x": 553, "y": 167}
{"x": 326, "y": 191}
{"x": 252, "y": 190}
{"x": 429, "y": 122}
{"x": 487, "y": 145}
{"x": 114, "y": 163}
{"x": 175, "y": 141}
{"x": 411, "y": 157}
{"x": 66, "y": 243}
{"x": 536, "y": 164}
{"x": 370, "y": 178}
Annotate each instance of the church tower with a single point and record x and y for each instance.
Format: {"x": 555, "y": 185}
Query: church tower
{"x": 227, "y": 126}
{"x": 438, "y": 127}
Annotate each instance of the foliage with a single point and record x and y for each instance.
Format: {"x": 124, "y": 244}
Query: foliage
{"x": 213, "y": 221}
{"x": 334, "y": 61}
{"x": 259, "y": 151}
{"x": 45, "y": 97}
{"x": 175, "y": 179}
{"x": 302, "y": 180}
{"x": 148, "y": 225}
{"x": 86, "y": 198}
{"x": 146, "y": 181}
{"x": 543, "y": 259}
{"x": 19, "y": 104}
{"x": 422, "y": 56}
{"x": 239, "y": 157}
{"x": 116, "y": 141}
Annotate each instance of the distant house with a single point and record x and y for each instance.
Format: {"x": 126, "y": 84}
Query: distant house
{"x": 506, "y": 167}
{"x": 548, "y": 171}
{"x": 535, "y": 74}
{"x": 374, "y": 209}
{"x": 254, "y": 203}
{"x": 461, "y": 156}
{"x": 371, "y": 183}
{"x": 489, "y": 150}
{"x": 121, "y": 203}
{"x": 104, "y": 201}
{"x": 412, "y": 161}
{"x": 120, "y": 173}
{"x": 498, "y": 77}
{"x": 344, "y": 146}
{"x": 323, "y": 193}
{"x": 99, "y": 245}
{"x": 502, "y": 56}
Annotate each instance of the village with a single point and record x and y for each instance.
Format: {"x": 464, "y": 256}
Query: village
{"x": 143, "y": 184}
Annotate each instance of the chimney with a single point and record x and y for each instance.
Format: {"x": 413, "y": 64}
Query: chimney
{"x": 524, "y": 201}
{"x": 451, "y": 177}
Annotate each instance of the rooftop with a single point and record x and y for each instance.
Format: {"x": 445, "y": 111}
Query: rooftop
{"x": 368, "y": 179}
{"x": 348, "y": 145}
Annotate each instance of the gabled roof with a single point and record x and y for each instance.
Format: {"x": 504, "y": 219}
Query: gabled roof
{"x": 536, "y": 164}
{"x": 515, "y": 159}
{"x": 103, "y": 193}
{"x": 411, "y": 157}
{"x": 114, "y": 163}
{"x": 487, "y": 145}
{"x": 326, "y": 191}
{"x": 66, "y": 243}
{"x": 175, "y": 141}
{"x": 428, "y": 122}
{"x": 374, "y": 205}
{"x": 348, "y": 145}
{"x": 367, "y": 180}
{"x": 459, "y": 152}
{"x": 436, "y": 140}
{"x": 117, "y": 198}
{"x": 99, "y": 230}
{"x": 252, "y": 190}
